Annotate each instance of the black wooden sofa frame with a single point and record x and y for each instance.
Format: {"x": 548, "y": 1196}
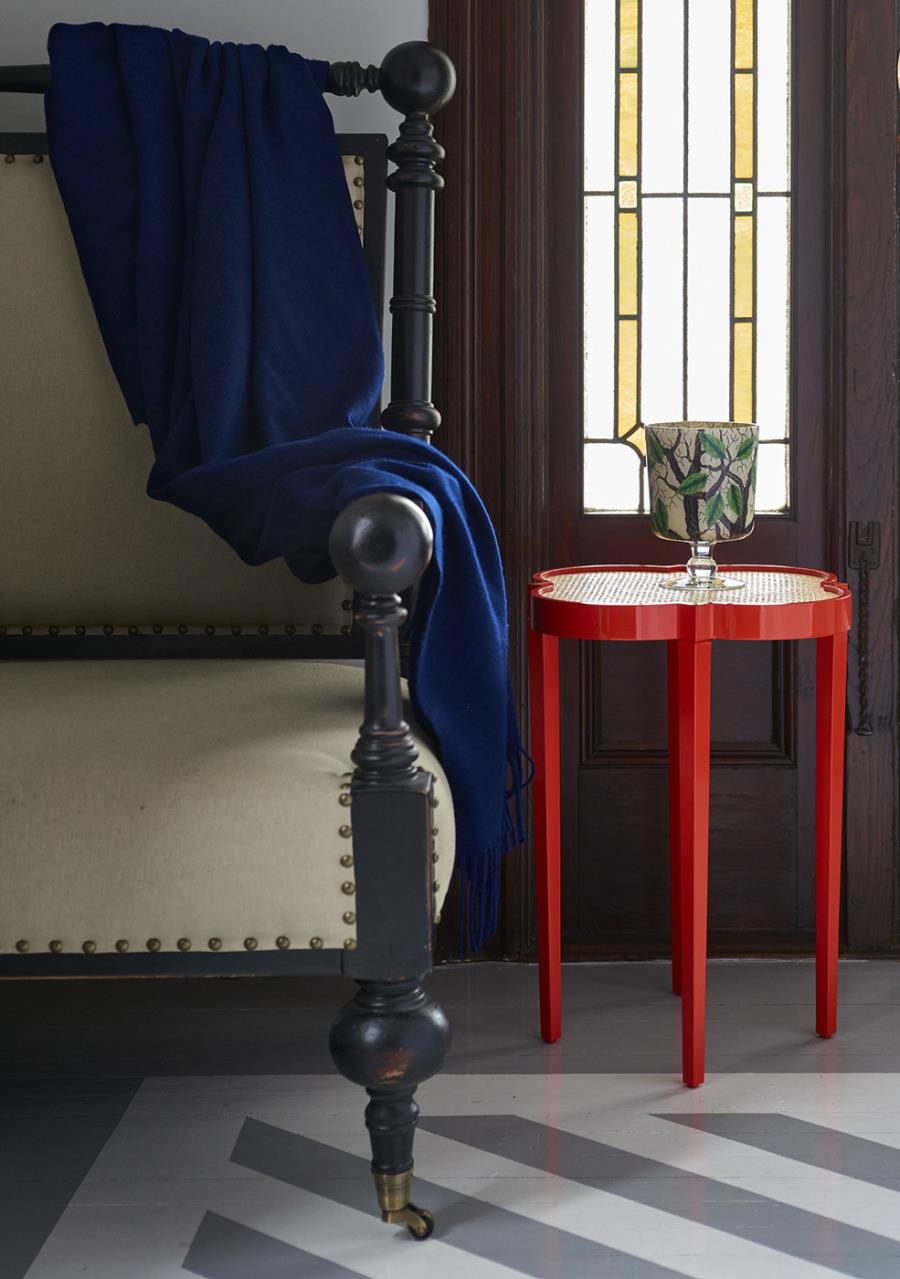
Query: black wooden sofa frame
{"x": 391, "y": 1036}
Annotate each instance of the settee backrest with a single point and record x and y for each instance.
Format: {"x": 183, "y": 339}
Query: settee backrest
{"x": 83, "y": 550}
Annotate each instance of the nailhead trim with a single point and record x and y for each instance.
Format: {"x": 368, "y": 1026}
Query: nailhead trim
{"x": 250, "y": 943}
{"x": 350, "y": 943}
{"x": 183, "y": 944}
{"x": 23, "y": 947}
{"x": 121, "y": 945}
{"x": 349, "y": 917}
{"x": 345, "y": 832}
{"x": 348, "y": 888}
{"x": 215, "y": 943}
{"x": 316, "y": 943}
{"x": 89, "y": 947}
{"x": 154, "y": 945}
{"x": 282, "y": 942}
{"x": 56, "y": 947}
{"x": 347, "y": 860}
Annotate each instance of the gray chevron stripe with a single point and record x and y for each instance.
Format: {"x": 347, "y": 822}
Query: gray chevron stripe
{"x": 814, "y": 1144}
{"x": 476, "y": 1227}
{"x": 718, "y": 1204}
{"x": 223, "y": 1249}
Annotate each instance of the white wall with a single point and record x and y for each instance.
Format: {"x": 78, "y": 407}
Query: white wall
{"x": 334, "y": 30}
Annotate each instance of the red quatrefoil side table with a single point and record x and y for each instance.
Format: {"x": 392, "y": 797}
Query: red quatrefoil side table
{"x": 618, "y": 602}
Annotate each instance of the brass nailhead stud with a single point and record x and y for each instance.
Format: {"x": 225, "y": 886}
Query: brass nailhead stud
{"x": 26, "y": 630}
{"x": 290, "y": 629}
{"x": 316, "y": 943}
{"x": 347, "y": 605}
{"x": 209, "y": 630}
{"x": 282, "y": 942}
{"x": 345, "y": 799}
{"x": 121, "y": 945}
{"x": 132, "y": 630}
{"x": 250, "y": 943}
{"x": 347, "y": 860}
{"x": 435, "y": 887}
{"x": 263, "y": 630}
{"x": 2, "y": 630}
{"x": 357, "y": 182}
{"x": 56, "y": 947}
{"x": 434, "y": 801}
{"x": 157, "y": 629}
{"x": 346, "y": 630}
{"x": 182, "y": 629}
{"x": 434, "y": 831}
{"x": 80, "y": 630}
{"x": 348, "y": 888}
{"x": 235, "y": 630}
{"x": 358, "y": 159}
{"x": 154, "y": 944}
{"x": 317, "y": 628}
{"x": 54, "y": 631}
{"x": 350, "y": 943}
{"x": 345, "y": 832}
{"x": 183, "y": 944}
{"x": 357, "y": 204}
{"x": 349, "y": 917}
{"x": 23, "y": 947}
{"x": 9, "y": 159}
{"x": 435, "y": 857}
{"x": 108, "y": 630}
{"x": 89, "y": 947}
{"x": 38, "y": 159}
{"x": 215, "y": 943}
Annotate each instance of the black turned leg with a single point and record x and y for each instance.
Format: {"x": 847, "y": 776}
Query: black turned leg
{"x": 390, "y": 1038}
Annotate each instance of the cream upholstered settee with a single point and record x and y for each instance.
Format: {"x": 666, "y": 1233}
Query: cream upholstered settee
{"x": 177, "y": 790}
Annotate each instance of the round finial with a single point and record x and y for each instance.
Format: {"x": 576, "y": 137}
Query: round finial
{"x": 416, "y": 76}
{"x": 381, "y": 544}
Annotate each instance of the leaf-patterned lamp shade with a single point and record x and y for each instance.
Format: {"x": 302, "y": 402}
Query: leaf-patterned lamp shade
{"x": 702, "y": 480}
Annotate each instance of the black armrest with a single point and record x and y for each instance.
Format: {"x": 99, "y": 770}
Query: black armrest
{"x": 382, "y": 545}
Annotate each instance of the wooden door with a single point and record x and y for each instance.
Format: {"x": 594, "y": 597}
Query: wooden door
{"x": 715, "y": 215}
{"x": 510, "y": 380}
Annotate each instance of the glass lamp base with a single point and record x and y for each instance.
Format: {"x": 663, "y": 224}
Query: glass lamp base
{"x": 702, "y": 573}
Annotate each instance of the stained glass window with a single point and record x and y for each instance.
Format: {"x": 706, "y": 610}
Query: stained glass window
{"x": 687, "y": 214}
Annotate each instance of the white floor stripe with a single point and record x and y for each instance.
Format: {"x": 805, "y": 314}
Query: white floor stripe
{"x": 168, "y": 1162}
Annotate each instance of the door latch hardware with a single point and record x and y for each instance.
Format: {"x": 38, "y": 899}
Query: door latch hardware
{"x": 863, "y": 554}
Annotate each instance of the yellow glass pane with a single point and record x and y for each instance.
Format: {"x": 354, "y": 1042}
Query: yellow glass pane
{"x": 743, "y": 373}
{"x": 743, "y": 126}
{"x": 743, "y": 33}
{"x": 628, "y": 347}
{"x": 628, "y": 244}
{"x": 628, "y": 33}
{"x": 628, "y": 124}
{"x": 743, "y": 267}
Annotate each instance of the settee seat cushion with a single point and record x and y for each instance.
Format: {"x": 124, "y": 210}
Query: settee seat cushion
{"x": 183, "y": 800}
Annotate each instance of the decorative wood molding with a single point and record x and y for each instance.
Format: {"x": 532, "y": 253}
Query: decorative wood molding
{"x": 491, "y": 266}
{"x": 865, "y": 467}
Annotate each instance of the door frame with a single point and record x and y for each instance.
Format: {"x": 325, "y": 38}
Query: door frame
{"x": 505, "y": 280}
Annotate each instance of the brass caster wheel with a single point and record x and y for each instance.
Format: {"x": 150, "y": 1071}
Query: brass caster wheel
{"x": 418, "y": 1221}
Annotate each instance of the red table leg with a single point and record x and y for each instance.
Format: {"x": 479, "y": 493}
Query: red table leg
{"x": 543, "y": 669}
{"x": 693, "y": 662}
{"x": 675, "y": 860}
{"x": 831, "y": 686}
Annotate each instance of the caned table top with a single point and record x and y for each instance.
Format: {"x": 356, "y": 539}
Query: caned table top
{"x": 629, "y": 602}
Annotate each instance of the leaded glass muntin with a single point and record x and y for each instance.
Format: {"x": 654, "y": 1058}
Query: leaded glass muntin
{"x": 702, "y": 491}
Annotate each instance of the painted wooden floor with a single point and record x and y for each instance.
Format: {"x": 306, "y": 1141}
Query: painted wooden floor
{"x": 234, "y": 1155}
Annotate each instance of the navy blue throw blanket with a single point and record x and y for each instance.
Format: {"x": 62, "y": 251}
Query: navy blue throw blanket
{"x": 208, "y": 203}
